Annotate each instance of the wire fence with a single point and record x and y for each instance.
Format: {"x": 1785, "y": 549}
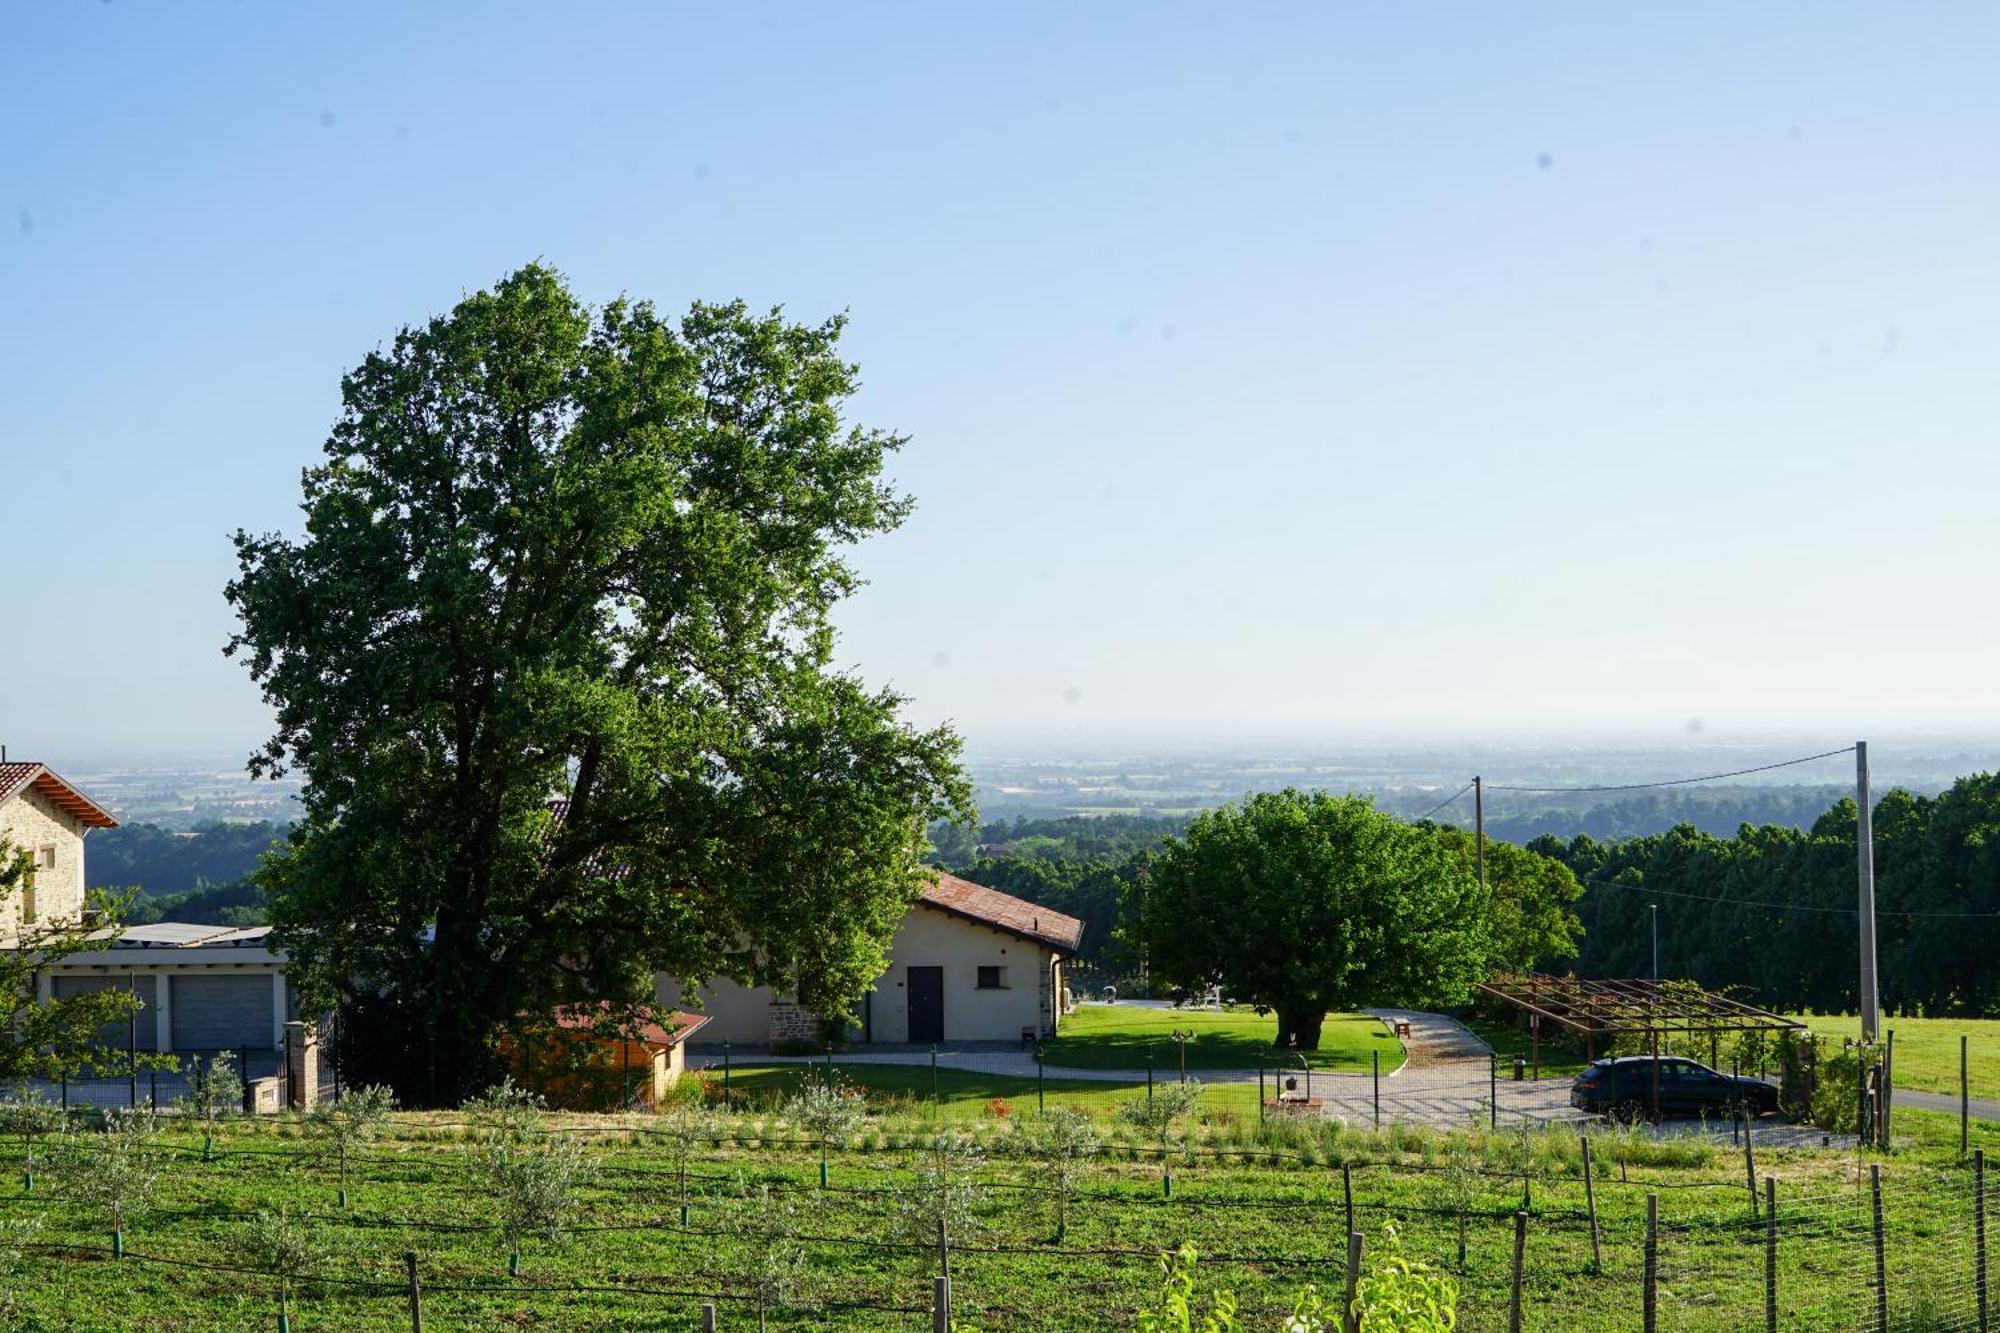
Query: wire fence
{"x": 1843, "y": 1248}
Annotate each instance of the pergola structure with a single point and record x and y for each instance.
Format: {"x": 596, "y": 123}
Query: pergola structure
{"x": 1605, "y": 1008}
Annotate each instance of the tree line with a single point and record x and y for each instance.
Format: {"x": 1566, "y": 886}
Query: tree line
{"x": 1771, "y": 909}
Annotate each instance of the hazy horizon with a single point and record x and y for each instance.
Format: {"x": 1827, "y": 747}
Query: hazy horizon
{"x": 1327, "y": 377}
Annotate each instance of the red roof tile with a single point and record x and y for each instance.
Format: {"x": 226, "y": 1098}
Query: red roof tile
{"x": 17, "y": 777}
{"x": 657, "y": 1027}
{"x": 1003, "y": 911}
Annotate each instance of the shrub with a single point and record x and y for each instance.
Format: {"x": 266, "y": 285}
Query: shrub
{"x": 1180, "y": 1306}
{"x": 504, "y": 1111}
{"x": 1402, "y": 1295}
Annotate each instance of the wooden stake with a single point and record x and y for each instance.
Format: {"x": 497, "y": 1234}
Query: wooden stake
{"x": 1590, "y": 1202}
{"x": 707, "y": 1317}
{"x": 1520, "y": 1247}
{"x": 941, "y": 1305}
{"x": 1349, "y": 1320}
{"x": 1652, "y": 1278}
{"x": 1750, "y": 1166}
{"x": 416, "y": 1295}
{"x": 1347, "y": 1193}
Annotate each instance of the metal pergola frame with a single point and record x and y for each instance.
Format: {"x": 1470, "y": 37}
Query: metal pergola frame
{"x": 1631, "y": 1007}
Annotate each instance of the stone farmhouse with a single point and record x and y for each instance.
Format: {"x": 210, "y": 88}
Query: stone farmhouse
{"x": 968, "y": 963}
{"x": 204, "y": 988}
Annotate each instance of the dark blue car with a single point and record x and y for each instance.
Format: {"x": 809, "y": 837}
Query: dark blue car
{"x": 1624, "y": 1087}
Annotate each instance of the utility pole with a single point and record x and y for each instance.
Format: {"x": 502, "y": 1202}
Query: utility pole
{"x": 1864, "y": 837}
{"x": 1655, "y": 907}
{"x": 1479, "y": 831}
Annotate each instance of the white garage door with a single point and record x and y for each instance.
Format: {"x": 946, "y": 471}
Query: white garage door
{"x": 222, "y": 1013}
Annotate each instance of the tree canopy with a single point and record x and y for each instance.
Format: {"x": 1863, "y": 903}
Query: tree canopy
{"x": 555, "y": 657}
{"x": 1304, "y": 903}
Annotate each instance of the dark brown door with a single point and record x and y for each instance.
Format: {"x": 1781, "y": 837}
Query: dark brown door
{"x": 926, "y": 988}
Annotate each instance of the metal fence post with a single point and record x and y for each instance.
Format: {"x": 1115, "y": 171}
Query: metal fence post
{"x": 1260, "y": 1094}
{"x": 1770, "y": 1254}
{"x": 727, "y": 1100}
{"x": 1590, "y": 1203}
{"x": 1881, "y": 1258}
{"x": 1492, "y": 1090}
{"x": 1347, "y": 1193}
{"x": 1964, "y": 1098}
{"x": 249, "y": 1088}
{"x": 132, "y": 1050}
{"x": 1979, "y": 1232}
{"x": 1651, "y": 1297}
{"x": 1376, "y": 1059}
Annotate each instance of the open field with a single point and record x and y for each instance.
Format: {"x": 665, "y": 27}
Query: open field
{"x": 1927, "y": 1049}
{"x": 1266, "y": 1209}
{"x": 1123, "y": 1036}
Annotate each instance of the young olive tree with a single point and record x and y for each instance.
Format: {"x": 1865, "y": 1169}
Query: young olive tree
{"x": 1064, "y": 1140}
{"x": 30, "y": 1117}
{"x": 536, "y": 1190}
{"x": 763, "y": 1223}
{"x": 288, "y": 1250}
{"x": 684, "y": 1128}
{"x": 1158, "y": 1114}
{"x": 214, "y": 1091}
{"x": 110, "y": 1172}
{"x": 941, "y": 1197}
{"x": 828, "y": 1109}
{"x": 355, "y": 1121}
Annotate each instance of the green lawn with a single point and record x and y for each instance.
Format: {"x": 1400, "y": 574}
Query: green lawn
{"x": 969, "y": 1096}
{"x": 1122, "y": 1036}
{"x": 1263, "y": 1205}
{"x": 1927, "y": 1049}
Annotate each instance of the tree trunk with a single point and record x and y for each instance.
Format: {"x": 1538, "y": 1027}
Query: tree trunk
{"x": 1298, "y": 1029}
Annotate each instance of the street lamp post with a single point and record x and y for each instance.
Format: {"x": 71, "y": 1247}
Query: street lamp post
{"x": 1656, "y": 939}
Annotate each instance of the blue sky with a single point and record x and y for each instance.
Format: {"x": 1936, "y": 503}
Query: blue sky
{"x": 1299, "y": 372}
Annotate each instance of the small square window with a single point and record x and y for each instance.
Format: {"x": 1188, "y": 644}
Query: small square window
{"x": 45, "y": 856}
{"x": 992, "y": 978}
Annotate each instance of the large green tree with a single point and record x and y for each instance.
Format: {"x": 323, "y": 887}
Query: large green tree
{"x": 555, "y": 658}
{"x": 1529, "y": 897}
{"x": 1305, "y": 903}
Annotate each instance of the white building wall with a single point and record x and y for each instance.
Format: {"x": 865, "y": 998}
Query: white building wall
{"x": 31, "y": 821}
{"x": 930, "y": 938}
{"x": 927, "y": 937}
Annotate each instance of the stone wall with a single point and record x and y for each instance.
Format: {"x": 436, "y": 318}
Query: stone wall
{"x": 30, "y": 821}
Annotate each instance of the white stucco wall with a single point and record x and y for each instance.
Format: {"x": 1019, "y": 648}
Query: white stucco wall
{"x": 927, "y": 937}
{"x": 31, "y": 821}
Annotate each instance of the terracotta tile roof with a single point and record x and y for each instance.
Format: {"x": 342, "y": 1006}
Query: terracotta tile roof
{"x": 18, "y": 777}
{"x": 1003, "y": 911}
{"x": 657, "y": 1027}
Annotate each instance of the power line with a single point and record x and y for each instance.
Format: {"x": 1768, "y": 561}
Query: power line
{"x": 1442, "y": 804}
{"x": 1676, "y": 782}
{"x": 1782, "y": 907}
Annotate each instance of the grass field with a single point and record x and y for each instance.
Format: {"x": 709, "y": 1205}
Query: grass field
{"x": 1122, "y": 1036}
{"x": 1927, "y": 1049}
{"x": 1265, "y": 1208}
{"x": 969, "y": 1096}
